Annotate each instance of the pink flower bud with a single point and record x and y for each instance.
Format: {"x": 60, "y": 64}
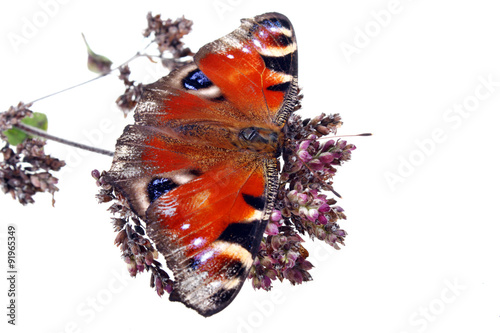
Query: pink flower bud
{"x": 275, "y": 216}
{"x": 272, "y": 229}
{"x": 312, "y": 214}
{"x": 320, "y": 233}
{"x": 323, "y": 129}
{"x": 266, "y": 283}
{"x": 306, "y": 265}
{"x": 292, "y": 256}
{"x": 266, "y": 262}
{"x": 322, "y": 220}
{"x": 304, "y": 145}
{"x": 327, "y": 145}
{"x": 316, "y": 203}
{"x": 303, "y": 212}
{"x": 95, "y": 174}
{"x": 324, "y": 208}
{"x": 272, "y": 274}
{"x": 304, "y": 156}
{"x": 326, "y": 157}
{"x": 149, "y": 258}
{"x": 332, "y": 238}
{"x": 256, "y": 283}
{"x": 340, "y": 233}
{"x": 132, "y": 268}
{"x": 292, "y": 195}
{"x": 302, "y": 199}
{"x": 294, "y": 276}
{"x": 275, "y": 243}
{"x": 316, "y": 164}
{"x": 283, "y": 240}
{"x": 337, "y": 155}
{"x": 169, "y": 287}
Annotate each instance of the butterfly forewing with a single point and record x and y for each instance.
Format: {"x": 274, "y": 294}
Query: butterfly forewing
{"x": 199, "y": 165}
{"x": 255, "y": 67}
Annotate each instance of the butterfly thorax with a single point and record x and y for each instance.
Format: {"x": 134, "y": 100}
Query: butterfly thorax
{"x": 262, "y": 140}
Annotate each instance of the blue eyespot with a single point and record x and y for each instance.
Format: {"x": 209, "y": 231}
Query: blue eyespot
{"x": 272, "y": 23}
{"x": 196, "y": 80}
{"x": 159, "y": 186}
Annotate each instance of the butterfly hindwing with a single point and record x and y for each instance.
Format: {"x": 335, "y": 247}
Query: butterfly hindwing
{"x": 211, "y": 232}
{"x": 199, "y": 164}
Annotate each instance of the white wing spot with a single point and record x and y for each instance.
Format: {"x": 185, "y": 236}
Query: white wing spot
{"x": 207, "y": 255}
{"x": 198, "y": 241}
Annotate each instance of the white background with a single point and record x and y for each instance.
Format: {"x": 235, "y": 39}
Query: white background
{"x": 422, "y": 254}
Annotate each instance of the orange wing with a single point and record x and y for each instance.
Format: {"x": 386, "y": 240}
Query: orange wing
{"x": 199, "y": 165}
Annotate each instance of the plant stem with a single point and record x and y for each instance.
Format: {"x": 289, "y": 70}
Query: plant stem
{"x": 88, "y": 81}
{"x": 37, "y": 132}
{"x": 66, "y": 89}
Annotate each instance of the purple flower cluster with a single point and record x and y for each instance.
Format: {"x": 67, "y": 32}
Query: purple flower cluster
{"x": 168, "y": 34}
{"x": 13, "y": 116}
{"x": 315, "y": 214}
{"x": 133, "y": 91}
{"x": 302, "y": 204}
{"x": 27, "y": 170}
{"x": 138, "y": 251}
{"x": 281, "y": 255}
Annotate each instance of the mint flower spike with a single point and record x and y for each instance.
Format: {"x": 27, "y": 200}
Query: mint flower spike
{"x": 138, "y": 252}
{"x": 302, "y": 204}
{"x": 167, "y": 35}
{"x": 27, "y": 170}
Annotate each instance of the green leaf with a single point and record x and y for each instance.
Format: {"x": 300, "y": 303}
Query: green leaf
{"x": 16, "y": 136}
{"x": 38, "y": 120}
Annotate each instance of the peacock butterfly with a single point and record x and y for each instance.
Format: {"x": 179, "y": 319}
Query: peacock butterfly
{"x": 200, "y": 163}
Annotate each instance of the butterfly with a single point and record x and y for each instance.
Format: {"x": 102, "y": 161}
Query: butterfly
{"x": 200, "y": 163}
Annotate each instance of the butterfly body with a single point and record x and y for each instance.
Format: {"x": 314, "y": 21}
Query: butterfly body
{"x": 199, "y": 165}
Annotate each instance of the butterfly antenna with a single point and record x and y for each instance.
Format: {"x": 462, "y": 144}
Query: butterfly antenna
{"x": 336, "y": 193}
{"x": 347, "y": 135}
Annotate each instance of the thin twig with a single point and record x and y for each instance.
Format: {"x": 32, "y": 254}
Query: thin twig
{"x": 138, "y": 54}
{"x": 66, "y": 89}
{"x": 37, "y": 132}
